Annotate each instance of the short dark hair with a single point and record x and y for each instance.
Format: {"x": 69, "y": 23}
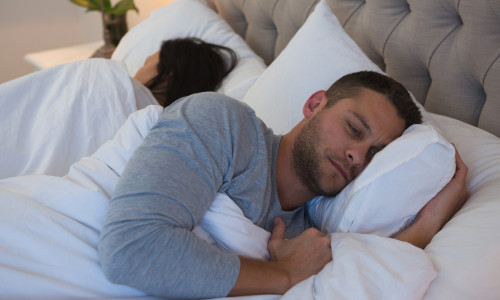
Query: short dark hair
{"x": 350, "y": 85}
{"x": 190, "y": 65}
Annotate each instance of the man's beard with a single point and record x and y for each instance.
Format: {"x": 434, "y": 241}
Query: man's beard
{"x": 306, "y": 158}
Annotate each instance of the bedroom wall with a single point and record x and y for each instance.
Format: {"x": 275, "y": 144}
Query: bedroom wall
{"x": 32, "y": 25}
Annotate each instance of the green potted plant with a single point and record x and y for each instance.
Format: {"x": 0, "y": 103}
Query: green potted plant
{"x": 114, "y": 21}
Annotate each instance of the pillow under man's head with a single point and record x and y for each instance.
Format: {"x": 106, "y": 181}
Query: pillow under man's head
{"x": 396, "y": 184}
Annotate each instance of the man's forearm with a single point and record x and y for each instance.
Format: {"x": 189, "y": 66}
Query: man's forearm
{"x": 419, "y": 233}
{"x": 260, "y": 277}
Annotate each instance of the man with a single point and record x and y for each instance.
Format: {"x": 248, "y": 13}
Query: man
{"x": 208, "y": 143}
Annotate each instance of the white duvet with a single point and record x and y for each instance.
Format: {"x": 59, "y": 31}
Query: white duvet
{"x": 51, "y": 118}
{"x": 49, "y": 225}
{"x": 50, "y": 229}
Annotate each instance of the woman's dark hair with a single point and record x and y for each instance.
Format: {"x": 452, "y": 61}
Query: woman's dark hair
{"x": 188, "y": 66}
{"x": 350, "y": 86}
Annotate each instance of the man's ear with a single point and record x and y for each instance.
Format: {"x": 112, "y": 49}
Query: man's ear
{"x": 314, "y": 104}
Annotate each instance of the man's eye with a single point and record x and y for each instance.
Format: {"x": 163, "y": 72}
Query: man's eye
{"x": 372, "y": 151}
{"x": 354, "y": 130}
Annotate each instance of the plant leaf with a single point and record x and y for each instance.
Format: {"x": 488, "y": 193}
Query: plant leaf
{"x": 121, "y": 7}
{"x": 89, "y": 4}
{"x": 107, "y": 5}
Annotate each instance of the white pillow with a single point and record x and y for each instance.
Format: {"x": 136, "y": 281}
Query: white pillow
{"x": 190, "y": 18}
{"x": 396, "y": 184}
{"x": 319, "y": 54}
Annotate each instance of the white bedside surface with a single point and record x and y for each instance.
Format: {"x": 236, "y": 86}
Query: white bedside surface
{"x": 49, "y": 58}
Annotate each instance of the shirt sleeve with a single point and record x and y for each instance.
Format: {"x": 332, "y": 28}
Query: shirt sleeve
{"x": 166, "y": 188}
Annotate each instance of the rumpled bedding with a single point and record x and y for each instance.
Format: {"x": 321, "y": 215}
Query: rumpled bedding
{"x": 51, "y": 225}
{"x": 52, "y": 118}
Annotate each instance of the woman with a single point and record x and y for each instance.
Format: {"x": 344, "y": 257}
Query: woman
{"x": 185, "y": 66}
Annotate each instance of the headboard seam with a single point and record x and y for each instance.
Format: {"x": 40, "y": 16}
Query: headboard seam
{"x": 272, "y": 11}
{"x": 392, "y": 31}
{"x": 489, "y": 68}
{"x": 354, "y": 12}
{"x": 311, "y": 8}
{"x": 493, "y": 10}
{"x": 439, "y": 44}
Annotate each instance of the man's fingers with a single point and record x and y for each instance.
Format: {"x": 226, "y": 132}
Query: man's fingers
{"x": 278, "y": 232}
{"x": 460, "y": 176}
{"x": 277, "y": 238}
{"x": 461, "y": 168}
{"x": 460, "y": 164}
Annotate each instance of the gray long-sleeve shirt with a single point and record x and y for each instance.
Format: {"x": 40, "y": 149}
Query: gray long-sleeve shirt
{"x": 202, "y": 144}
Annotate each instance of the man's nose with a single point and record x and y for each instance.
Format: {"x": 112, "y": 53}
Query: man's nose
{"x": 356, "y": 155}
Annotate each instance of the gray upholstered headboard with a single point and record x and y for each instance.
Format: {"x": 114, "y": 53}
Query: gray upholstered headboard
{"x": 447, "y": 52}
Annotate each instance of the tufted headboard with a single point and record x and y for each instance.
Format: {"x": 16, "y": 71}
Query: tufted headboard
{"x": 446, "y": 52}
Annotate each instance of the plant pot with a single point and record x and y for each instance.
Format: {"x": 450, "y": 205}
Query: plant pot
{"x": 114, "y": 28}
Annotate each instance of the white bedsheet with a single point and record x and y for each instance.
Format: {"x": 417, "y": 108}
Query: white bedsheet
{"x": 50, "y": 229}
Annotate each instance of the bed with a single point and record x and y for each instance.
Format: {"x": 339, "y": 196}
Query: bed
{"x": 67, "y": 138}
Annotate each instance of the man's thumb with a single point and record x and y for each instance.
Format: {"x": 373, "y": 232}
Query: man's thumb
{"x": 278, "y": 230}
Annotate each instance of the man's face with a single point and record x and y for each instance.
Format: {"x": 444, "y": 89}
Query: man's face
{"x": 338, "y": 142}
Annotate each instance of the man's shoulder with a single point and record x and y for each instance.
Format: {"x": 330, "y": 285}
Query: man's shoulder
{"x": 211, "y": 100}
{"x": 209, "y": 106}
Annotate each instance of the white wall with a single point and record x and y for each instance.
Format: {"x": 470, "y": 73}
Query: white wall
{"x": 35, "y": 25}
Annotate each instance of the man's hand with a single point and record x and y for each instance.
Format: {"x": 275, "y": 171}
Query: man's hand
{"x": 302, "y": 256}
{"x": 439, "y": 210}
{"x": 291, "y": 262}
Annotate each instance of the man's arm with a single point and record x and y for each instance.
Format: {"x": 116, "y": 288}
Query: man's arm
{"x": 291, "y": 262}
{"x": 439, "y": 210}
{"x": 165, "y": 189}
